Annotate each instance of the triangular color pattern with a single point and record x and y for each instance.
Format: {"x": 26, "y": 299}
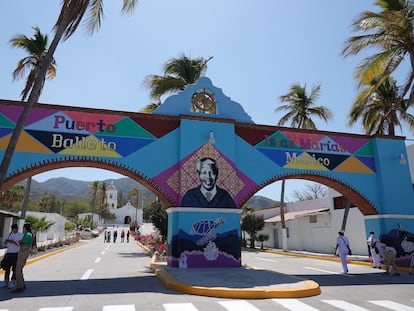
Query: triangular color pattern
{"x": 302, "y": 140}
{"x": 94, "y": 148}
{"x": 366, "y": 150}
{"x": 6, "y": 122}
{"x": 352, "y": 165}
{"x": 278, "y": 141}
{"x": 305, "y": 161}
{"x": 95, "y": 119}
{"x": 128, "y": 128}
{"x": 25, "y": 143}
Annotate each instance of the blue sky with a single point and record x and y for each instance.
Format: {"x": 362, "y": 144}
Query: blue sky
{"x": 260, "y": 49}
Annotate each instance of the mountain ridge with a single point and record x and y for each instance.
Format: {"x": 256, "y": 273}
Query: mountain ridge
{"x": 66, "y": 188}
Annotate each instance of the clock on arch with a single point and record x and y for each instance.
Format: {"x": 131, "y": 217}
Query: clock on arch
{"x": 204, "y": 102}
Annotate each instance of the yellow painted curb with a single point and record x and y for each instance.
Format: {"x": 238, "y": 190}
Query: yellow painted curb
{"x": 309, "y": 288}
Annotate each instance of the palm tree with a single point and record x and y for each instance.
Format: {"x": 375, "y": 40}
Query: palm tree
{"x": 390, "y": 32}
{"x": 378, "y": 111}
{"x": 102, "y": 200}
{"x": 178, "y": 73}
{"x": 36, "y": 48}
{"x": 300, "y": 108}
{"x": 94, "y": 188}
{"x": 137, "y": 194}
{"x": 150, "y": 108}
{"x": 71, "y": 15}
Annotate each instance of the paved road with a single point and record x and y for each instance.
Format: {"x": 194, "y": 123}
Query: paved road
{"x": 117, "y": 277}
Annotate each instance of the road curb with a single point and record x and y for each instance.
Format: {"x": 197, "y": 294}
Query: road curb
{"x": 307, "y": 288}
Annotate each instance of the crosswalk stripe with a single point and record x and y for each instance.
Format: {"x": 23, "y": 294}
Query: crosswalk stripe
{"x": 179, "y": 307}
{"x": 294, "y": 304}
{"x": 57, "y": 309}
{"x": 119, "y": 308}
{"x": 391, "y": 305}
{"x": 237, "y": 305}
{"x": 343, "y": 305}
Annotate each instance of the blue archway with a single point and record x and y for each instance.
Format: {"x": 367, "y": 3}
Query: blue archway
{"x": 162, "y": 151}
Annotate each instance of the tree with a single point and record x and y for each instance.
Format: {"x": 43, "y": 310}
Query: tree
{"x": 300, "y": 109}
{"x": 378, "y": 111}
{"x": 38, "y": 225}
{"x": 252, "y": 224}
{"x": 71, "y": 15}
{"x": 178, "y": 73}
{"x": 311, "y": 192}
{"x": 159, "y": 219}
{"x": 102, "y": 200}
{"x": 94, "y": 188}
{"x": 390, "y": 32}
{"x": 136, "y": 194}
{"x": 262, "y": 238}
{"x": 36, "y": 48}
{"x": 12, "y": 195}
{"x": 150, "y": 108}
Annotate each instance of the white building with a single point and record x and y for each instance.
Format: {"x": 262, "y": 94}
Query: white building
{"x": 124, "y": 215}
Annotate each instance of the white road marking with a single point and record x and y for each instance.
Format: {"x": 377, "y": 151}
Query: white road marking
{"x": 86, "y": 275}
{"x": 179, "y": 307}
{"x": 119, "y": 308}
{"x": 294, "y": 304}
{"x": 343, "y": 305}
{"x": 237, "y": 305}
{"x": 391, "y": 305}
{"x": 328, "y": 271}
{"x": 265, "y": 259}
{"x": 103, "y": 252}
{"x": 57, "y": 309}
{"x": 97, "y": 260}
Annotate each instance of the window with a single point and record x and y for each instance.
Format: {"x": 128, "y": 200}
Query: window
{"x": 313, "y": 219}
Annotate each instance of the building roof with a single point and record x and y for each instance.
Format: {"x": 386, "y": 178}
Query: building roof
{"x": 293, "y": 215}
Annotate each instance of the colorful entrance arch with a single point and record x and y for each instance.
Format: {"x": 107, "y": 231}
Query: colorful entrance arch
{"x": 163, "y": 151}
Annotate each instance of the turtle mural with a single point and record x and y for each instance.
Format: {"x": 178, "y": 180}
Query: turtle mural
{"x": 205, "y": 238}
{"x": 206, "y": 228}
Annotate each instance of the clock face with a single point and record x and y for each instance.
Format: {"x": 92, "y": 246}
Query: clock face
{"x": 204, "y": 102}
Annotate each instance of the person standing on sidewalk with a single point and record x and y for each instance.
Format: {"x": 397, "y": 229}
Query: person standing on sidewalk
{"x": 375, "y": 254}
{"x": 342, "y": 244}
{"x": 10, "y": 258}
{"x": 24, "y": 252}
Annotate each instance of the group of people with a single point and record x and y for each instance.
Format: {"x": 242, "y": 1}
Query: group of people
{"x": 107, "y": 236}
{"x": 18, "y": 250}
{"x": 380, "y": 252}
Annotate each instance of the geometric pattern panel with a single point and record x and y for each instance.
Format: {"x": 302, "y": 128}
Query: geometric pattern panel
{"x": 318, "y": 152}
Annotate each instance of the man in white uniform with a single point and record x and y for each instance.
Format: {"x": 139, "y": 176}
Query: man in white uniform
{"x": 12, "y": 243}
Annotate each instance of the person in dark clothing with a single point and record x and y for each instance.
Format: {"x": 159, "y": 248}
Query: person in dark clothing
{"x": 208, "y": 194}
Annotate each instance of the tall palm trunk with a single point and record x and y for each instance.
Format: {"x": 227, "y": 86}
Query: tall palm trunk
{"x": 282, "y": 216}
{"x": 33, "y": 97}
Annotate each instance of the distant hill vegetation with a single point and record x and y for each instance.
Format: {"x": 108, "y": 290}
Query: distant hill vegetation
{"x": 65, "y": 188}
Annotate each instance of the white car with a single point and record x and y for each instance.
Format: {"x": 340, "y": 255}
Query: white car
{"x": 87, "y": 233}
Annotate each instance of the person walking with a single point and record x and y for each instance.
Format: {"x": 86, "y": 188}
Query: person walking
{"x": 342, "y": 249}
{"x": 25, "y": 245}
{"x": 115, "y": 235}
{"x": 122, "y": 236}
{"x": 375, "y": 254}
{"x": 127, "y": 234}
{"x": 10, "y": 258}
{"x": 389, "y": 254}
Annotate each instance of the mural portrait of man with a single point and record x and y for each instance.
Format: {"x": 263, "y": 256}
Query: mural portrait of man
{"x": 208, "y": 194}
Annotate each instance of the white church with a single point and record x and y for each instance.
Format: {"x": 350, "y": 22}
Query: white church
{"x": 125, "y": 215}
